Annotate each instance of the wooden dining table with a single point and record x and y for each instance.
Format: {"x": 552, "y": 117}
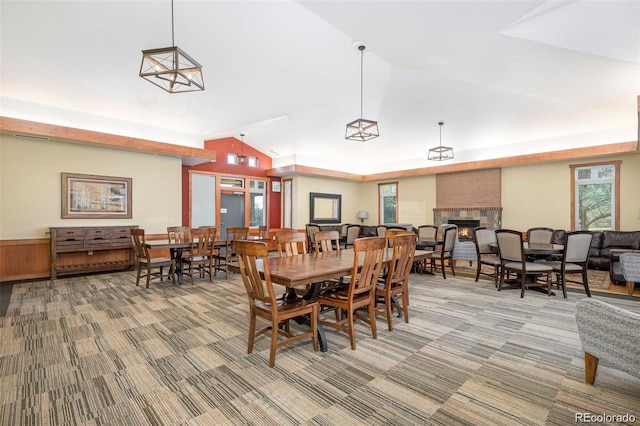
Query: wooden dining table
{"x": 177, "y": 248}
{"x": 313, "y": 270}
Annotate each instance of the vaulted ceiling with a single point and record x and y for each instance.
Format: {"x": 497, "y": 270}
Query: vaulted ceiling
{"x": 506, "y": 77}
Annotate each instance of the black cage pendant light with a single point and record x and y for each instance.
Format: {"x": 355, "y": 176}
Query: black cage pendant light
{"x": 361, "y": 129}
{"x": 242, "y": 159}
{"x": 171, "y": 68}
{"x": 441, "y": 153}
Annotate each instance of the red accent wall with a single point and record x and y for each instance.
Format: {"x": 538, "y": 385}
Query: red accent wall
{"x": 222, "y": 147}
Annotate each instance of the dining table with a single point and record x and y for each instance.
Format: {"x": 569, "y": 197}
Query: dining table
{"x": 312, "y": 270}
{"x": 533, "y": 252}
{"x": 178, "y": 248}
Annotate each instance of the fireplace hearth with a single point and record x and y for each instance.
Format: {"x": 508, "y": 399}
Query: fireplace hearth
{"x": 465, "y": 228}
{"x": 468, "y": 217}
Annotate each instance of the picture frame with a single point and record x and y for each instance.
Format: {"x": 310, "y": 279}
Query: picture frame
{"x": 275, "y": 186}
{"x": 95, "y": 197}
{"x": 325, "y": 208}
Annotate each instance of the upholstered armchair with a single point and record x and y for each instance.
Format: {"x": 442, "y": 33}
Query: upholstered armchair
{"x": 609, "y": 333}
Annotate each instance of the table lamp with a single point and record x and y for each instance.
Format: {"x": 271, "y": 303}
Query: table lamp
{"x": 362, "y": 215}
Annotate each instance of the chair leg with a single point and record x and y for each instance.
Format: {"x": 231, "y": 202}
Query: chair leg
{"x": 630, "y": 286}
{"x": 351, "y": 331}
{"x": 274, "y": 342}
{"x": 478, "y": 270}
{"x": 372, "y": 321}
{"x": 252, "y": 332}
{"x": 387, "y": 307}
{"x": 523, "y": 284}
{"x": 585, "y": 281}
{"x": 314, "y": 327}
{"x": 590, "y": 367}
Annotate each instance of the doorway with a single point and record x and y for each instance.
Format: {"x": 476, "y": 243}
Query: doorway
{"x": 231, "y": 211}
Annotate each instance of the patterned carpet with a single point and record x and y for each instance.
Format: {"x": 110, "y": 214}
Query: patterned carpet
{"x": 98, "y": 350}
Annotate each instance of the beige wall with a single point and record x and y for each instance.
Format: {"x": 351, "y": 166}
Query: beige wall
{"x": 539, "y": 194}
{"x": 304, "y": 185}
{"x": 532, "y": 195}
{"x": 30, "y": 186}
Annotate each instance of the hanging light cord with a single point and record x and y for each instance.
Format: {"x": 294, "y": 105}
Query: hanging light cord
{"x": 361, "y": 76}
{"x": 173, "y": 43}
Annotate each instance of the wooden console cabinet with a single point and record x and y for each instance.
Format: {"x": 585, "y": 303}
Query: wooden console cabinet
{"x": 76, "y": 250}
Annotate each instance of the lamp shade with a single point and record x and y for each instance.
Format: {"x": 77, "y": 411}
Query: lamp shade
{"x": 363, "y": 214}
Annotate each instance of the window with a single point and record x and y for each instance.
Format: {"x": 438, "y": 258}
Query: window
{"x": 257, "y": 202}
{"x": 232, "y": 159}
{"x": 287, "y": 202}
{"x": 253, "y": 161}
{"x": 595, "y": 196}
{"x": 231, "y": 182}
{"x": 388, "y": 202}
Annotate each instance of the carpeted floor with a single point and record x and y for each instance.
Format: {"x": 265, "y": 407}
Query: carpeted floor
{"x": 98, "y": 350}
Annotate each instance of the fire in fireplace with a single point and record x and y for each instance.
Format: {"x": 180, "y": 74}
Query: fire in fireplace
{"x": 465, "y": 228}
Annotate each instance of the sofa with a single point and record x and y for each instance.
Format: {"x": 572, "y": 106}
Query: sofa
{"x": 604, "y": 242}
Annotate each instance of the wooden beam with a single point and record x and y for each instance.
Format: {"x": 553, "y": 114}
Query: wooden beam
{"x": 567, "y": 154}
{"x": 88, "y": 137}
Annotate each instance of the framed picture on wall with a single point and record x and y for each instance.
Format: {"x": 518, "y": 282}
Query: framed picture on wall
{"x": 275, "y": 186}
{"x": 95, "y": 197}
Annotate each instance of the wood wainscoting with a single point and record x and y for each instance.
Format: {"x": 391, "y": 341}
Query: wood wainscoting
{"x": 24, "y": 259}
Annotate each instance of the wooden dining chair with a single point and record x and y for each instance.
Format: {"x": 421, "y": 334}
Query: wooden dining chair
{"x": 201, "y": 255}
{"x": 361, "y": 290}
{"x": 178, "y": 234}
{"x": 264, "y": 303}
{"x": 226, "y": 253}
{"x": 263, "y": 232}
{"x": 575, "y": 257}
{"x": 291, "y": 243}
{"x": 326, "y": 241}
{"x": 145, "y": 264}
{"x": 396, "y": 282}
{"x": 512, "y": 258}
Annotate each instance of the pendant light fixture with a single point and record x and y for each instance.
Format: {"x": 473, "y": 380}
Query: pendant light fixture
{"x": 171, "y": 69}
{"x": 361, "y": 130}
{"x": 242, "y": 159}
{"x": 441, "y": 153}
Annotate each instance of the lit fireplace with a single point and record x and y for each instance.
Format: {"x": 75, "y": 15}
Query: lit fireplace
{"x": 465, "y": 228}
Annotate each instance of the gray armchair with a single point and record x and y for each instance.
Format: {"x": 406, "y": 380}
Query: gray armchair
{"x": 630, "y": 265}
{"x": 609, "y": 333}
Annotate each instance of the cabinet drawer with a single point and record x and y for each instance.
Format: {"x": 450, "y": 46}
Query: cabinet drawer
{"x": 64, "y": 233}
{"x": 97, "y": 237}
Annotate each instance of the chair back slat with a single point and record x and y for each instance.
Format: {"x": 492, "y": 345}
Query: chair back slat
{"x": 326, "y": 241}
{"x": 290, "y": 242}
{"x": 139, "y": 244}
{"x": 250, "y": 254}
{"x": 178, "y": 234}
{"x": 404, "y": 250}
{"x": 371, "y": 249}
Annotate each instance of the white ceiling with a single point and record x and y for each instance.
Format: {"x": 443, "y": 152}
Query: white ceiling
{"x": 506, "y": 77}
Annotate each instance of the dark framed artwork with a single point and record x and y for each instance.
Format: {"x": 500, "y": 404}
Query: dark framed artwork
{"x": 95, "y": 197}
{"x": 325, "y": 208}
